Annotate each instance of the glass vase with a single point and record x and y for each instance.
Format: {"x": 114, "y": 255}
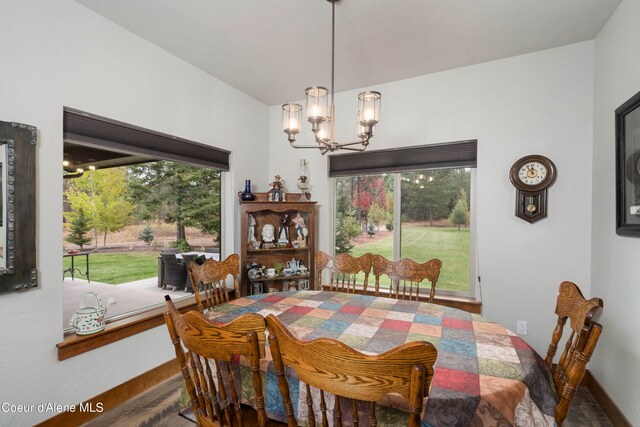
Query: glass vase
{"x": 247, "y": 195}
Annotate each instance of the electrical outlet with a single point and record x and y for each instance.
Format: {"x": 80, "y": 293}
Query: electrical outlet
{"x": 521, "y": 327}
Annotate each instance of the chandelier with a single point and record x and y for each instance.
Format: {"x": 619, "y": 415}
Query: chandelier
{"x": 321, "y": 115}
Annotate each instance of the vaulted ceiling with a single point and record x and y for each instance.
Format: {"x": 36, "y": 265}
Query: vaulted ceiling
{"x": 274, "y": 49}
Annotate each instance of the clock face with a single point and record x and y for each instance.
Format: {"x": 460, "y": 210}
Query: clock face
{"x": 532, "y": 173}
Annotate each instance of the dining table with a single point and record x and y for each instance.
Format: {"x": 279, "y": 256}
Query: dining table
{"x": 484, "y": 375}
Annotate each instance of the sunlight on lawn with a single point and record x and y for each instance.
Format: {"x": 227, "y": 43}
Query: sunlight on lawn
{"x": 117, "y": 268}
{"x": 421, "y": 244}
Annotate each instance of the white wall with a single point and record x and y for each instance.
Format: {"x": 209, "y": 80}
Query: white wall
{"x": 615, "y": 259}
{"x": 57, "y": 53}
{"x": 539, "y": 103}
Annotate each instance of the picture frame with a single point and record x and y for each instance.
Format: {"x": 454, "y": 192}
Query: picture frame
{"x": 627, "y": 128}
{"x": 18, "y": 207}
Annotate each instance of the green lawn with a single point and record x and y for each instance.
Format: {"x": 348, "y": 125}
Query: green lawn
{"x": 116, "y": 268}
{"x": 421, "y": 244}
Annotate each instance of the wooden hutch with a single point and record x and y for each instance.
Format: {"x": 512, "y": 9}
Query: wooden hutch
{"x": 270, "y": 254}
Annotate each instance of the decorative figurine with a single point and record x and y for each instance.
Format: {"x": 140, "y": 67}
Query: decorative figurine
{"x": 277, "y": 193}
{"x": 300, "y": 232}
{"x": 252, "y": 242}
{"x": 283, "y": 231}
{"x": 268, "y": 236}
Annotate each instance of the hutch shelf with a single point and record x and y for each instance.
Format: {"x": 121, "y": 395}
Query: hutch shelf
{"x": 295, "y": 243}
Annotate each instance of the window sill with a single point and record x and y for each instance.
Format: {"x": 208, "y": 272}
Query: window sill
{"x": 461, "y": 303}
{"x": 73, "y": 345}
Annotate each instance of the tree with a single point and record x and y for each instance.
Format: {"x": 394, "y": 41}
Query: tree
{"x": 367, "y": 190}
{"x": 179, "y": 194}
{"x": 377, "y": 214}
{"x": 79, "y": 227}
{"x": 460, "y": 213}
{"x": 432, "y": 194}
{"x": 347, "y": 229}
{"x": 103, "y": 195}
{"x": 146, "y": 235}
{"x": 347, "y": 225}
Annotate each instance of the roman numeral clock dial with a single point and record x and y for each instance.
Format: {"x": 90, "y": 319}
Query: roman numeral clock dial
{"x": 532, "y": 176}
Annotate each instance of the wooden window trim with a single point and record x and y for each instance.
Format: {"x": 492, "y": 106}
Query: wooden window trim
{"x": 73, "y": 345}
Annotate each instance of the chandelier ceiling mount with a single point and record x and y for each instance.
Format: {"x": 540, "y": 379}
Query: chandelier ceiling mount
{"x": 321, "y": 112}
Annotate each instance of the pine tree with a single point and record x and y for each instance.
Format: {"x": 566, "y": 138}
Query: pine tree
{"x": 146, "y": 235}
{"x": 460, "y": 213}
{"x": 79, "y": 227}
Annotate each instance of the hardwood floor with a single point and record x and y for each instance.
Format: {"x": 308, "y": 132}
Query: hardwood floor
{"x": 585, "y": 411}
{"x": 158, "y": 407}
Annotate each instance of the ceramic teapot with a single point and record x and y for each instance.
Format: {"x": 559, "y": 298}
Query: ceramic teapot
{"x": 90, "y": 319}
{"x": 293, "y": 265}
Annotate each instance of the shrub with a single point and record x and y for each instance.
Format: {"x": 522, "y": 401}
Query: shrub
{"x": 183, "y": 245}
{"x": 371, "y": 230}
{"x": 146, "y": 235}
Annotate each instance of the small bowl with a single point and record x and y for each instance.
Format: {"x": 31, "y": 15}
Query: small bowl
{"x": 287, "y": 271}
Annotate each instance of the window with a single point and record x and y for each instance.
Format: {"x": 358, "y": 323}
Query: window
{"x": 131, "y": 193}
{"x": 410, "y": 211}
{"x": 118, "y": 221}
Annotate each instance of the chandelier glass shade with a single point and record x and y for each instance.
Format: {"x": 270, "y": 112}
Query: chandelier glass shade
{"x": 321, "y": 112}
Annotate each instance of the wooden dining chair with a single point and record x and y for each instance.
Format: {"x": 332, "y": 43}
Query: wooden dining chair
{"x": 216, "y": 402}
{"x": 405, "y": 277}
{"x": 343, "y": 271}
{"x": 582, "y": 340}
{"x": 211, "y": 277}
{"x": 333, "y": 367}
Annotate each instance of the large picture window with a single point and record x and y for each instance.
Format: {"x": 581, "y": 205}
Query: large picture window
{"x": 410, "y": 211}
{"x": 139, "y": 205}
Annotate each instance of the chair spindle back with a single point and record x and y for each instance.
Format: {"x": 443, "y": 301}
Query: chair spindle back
{"x": 405, "y": 276}
{"x": 216, "y": 402}
{"x": 580, "y": 344}
{"x": 344, "y": 270}
{"x": 211, "y": 277}
{"x": 338, "y": 373}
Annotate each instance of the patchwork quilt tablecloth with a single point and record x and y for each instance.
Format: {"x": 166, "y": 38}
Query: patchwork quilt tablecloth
{"x": 485, "y": 375}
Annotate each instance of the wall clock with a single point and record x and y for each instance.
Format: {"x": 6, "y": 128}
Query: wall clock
{"x": 532, "y": 176}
